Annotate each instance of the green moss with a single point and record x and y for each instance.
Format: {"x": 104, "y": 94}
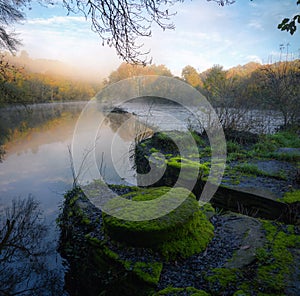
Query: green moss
{"x": 169, "y": 142}
{"x": 194, "y": 239}
{"x": 275, "y": 260}
{"x": 189, "y": 167}
{"x": 102, "y": 249}
{"x": 223, "y": 278}
{"x": 146, "y": 271}
{"x": 292, "y": 196}
{"x": 182, "y": 232}
{"x": 85, "y": 220}
{"x": 189, "y": 291}
{"x": 153, "y": 150}
{"x": 207, "y": 209}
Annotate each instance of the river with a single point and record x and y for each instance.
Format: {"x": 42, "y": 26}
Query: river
{"x": 37, "y": 162}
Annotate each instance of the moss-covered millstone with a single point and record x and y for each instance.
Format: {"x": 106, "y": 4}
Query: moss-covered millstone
{"x": 181, "y": 232}
{"x": 246, "y": 257}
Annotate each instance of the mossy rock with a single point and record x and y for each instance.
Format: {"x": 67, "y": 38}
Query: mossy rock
{"x": 104, "y": 257}
{"x": 181, "y": 232}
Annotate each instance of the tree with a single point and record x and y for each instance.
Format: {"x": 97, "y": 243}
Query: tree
{"x": 278, "y": 86}
{"x": 121, "y": 23}
{"x": 128, "y": 70}
{"x": 10, "y": 13}
{"x": 227, "y": 93}
{"x": 191, "y": 76}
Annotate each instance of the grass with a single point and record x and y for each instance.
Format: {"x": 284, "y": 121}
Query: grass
{"x": 270, "y": 143}
{"x": 233, "y": 147}
{"x": 252, "y": 169}
{"x": 267, "y": 148}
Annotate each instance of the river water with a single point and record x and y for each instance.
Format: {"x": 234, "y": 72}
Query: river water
{"x": 37, "y": 163}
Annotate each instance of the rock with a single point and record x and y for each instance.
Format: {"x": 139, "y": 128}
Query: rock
{"x": 256, "y": 256}
{"x": 288, "y": 150}
{"x": 252, "y": 237}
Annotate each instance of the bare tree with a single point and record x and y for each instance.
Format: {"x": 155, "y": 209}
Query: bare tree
{"x": 121, "y": 23}
{"x": 279, "y": 88}
{"x": 227, "y": 93}
{"x": 10, "y": 13}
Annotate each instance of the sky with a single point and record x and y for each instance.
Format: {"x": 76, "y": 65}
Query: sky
{"x": 205, "y": 34}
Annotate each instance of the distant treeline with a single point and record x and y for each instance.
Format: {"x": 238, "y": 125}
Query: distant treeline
{"x": 19, "y": 86}
{"x": 252, "y": 86}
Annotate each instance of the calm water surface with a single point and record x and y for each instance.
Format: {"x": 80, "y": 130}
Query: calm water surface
{"x": 38, "y": 164}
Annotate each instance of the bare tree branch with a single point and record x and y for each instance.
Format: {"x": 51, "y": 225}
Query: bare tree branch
{"x": 10, "y": 13}
{"x": 120, "y": 23}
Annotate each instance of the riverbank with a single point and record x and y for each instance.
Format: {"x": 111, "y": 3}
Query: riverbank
{"x": 256, "y": 234}
{"x": 246, "y": 256}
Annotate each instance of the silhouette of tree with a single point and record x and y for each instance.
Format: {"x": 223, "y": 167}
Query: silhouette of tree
{"x": 10, "y": 13}
{"x": 121, "y": 23}
{"x": 23, "y": 267}
{"x": 290, "y": 25}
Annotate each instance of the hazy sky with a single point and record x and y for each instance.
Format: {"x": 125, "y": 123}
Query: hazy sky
{"x": 205, "y": 34}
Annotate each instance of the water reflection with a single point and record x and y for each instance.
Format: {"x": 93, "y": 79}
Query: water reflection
{"x": 17, "y": 122}
{"x": 24, "y": 252}
{"x": 38, "y": 164}
{"x": 102, "y": 145}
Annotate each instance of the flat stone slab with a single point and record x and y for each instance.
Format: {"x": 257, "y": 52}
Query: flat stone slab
{"x": 252, "y": 237}
{"x": 289, "y": 150}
